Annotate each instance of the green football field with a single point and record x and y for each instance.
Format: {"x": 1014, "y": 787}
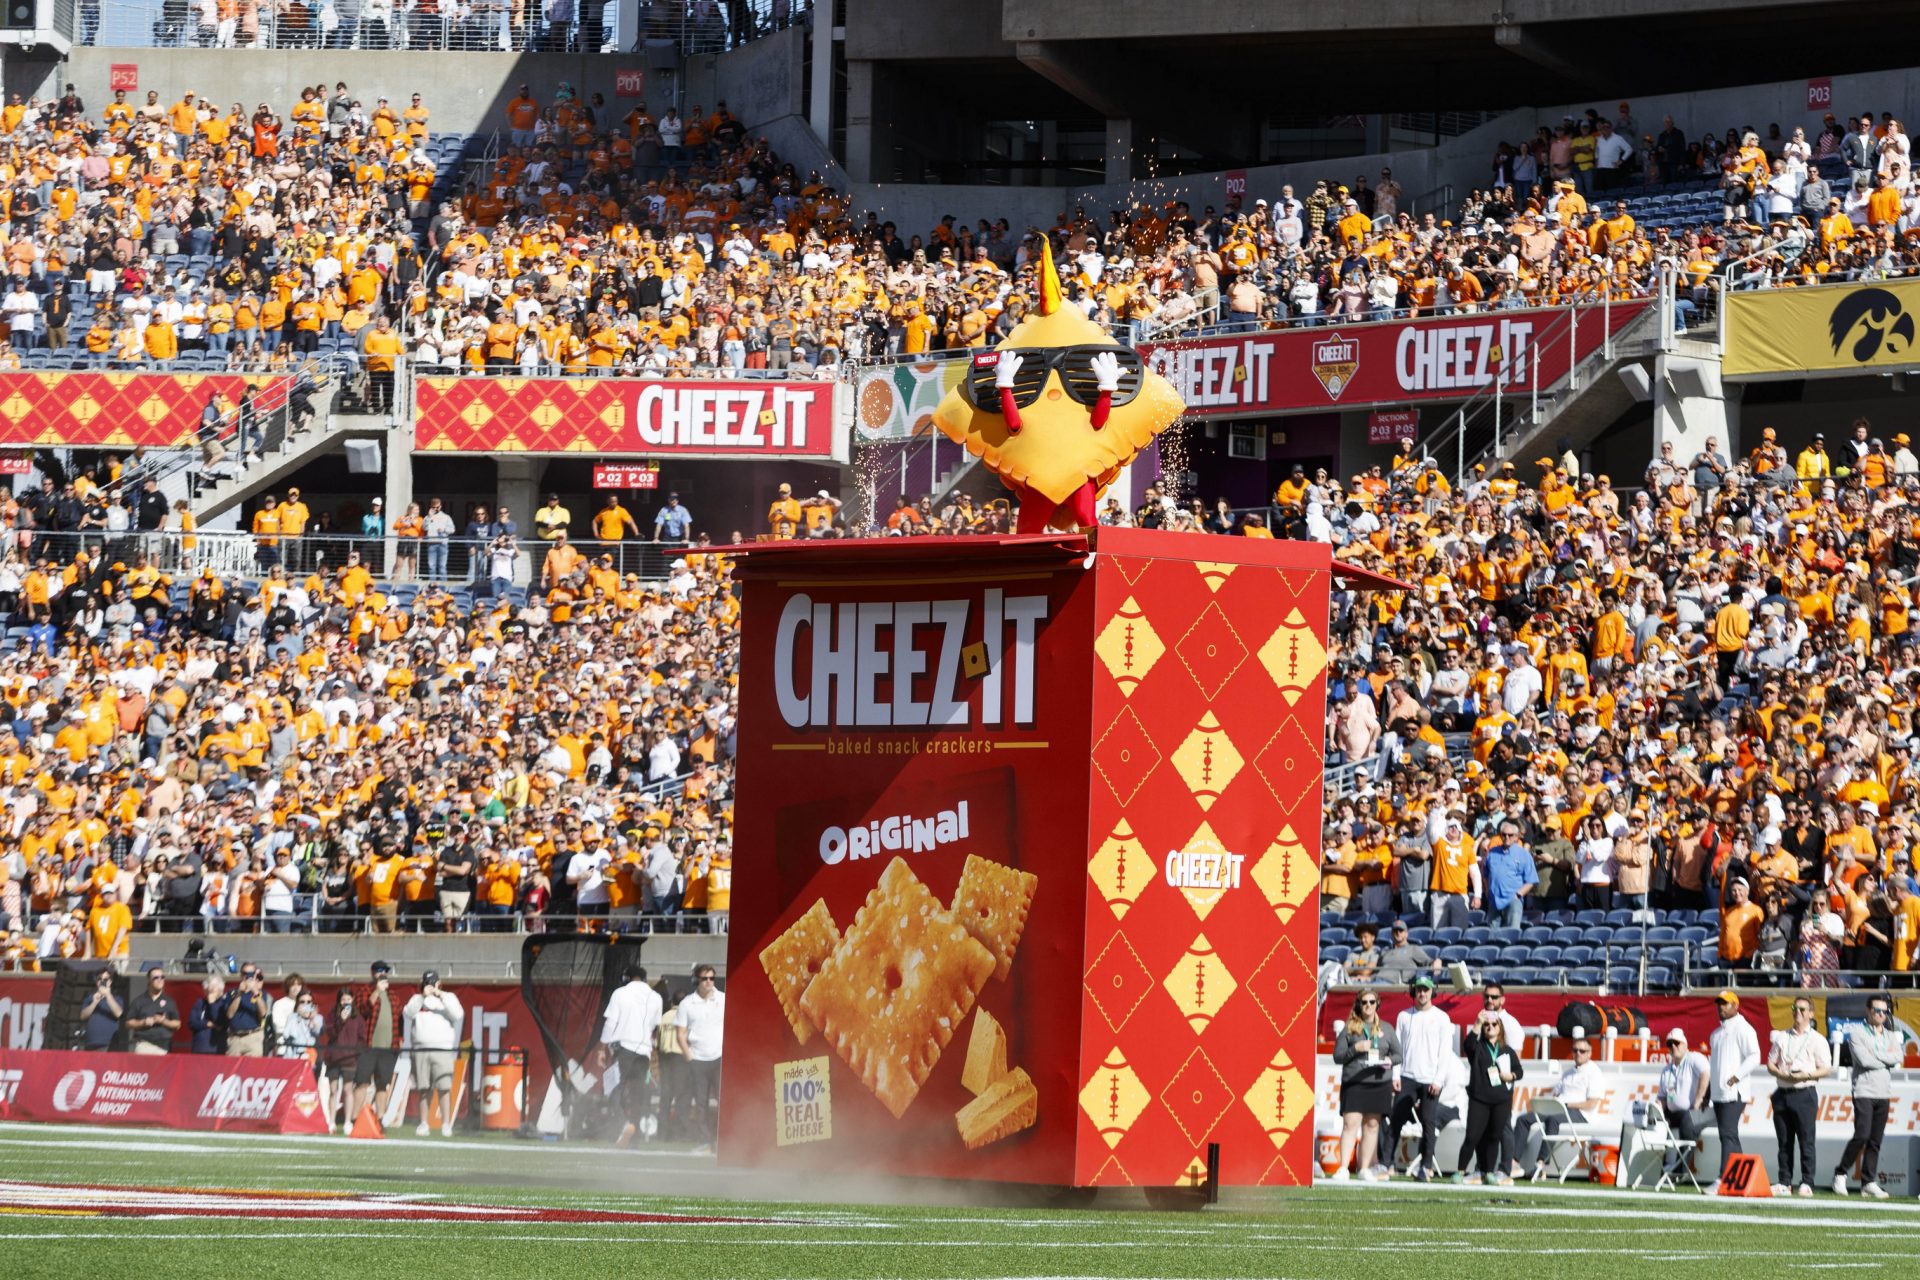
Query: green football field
{"x": 82, "y": 1202}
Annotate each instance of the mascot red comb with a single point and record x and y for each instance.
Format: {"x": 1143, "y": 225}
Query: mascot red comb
{"x": 1057, "y": 410}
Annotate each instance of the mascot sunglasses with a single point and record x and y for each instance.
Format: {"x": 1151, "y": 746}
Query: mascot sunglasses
{"x": 1074, "y": 364}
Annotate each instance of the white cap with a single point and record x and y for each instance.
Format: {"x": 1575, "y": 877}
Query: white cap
{"x": 1677, "y": 1034}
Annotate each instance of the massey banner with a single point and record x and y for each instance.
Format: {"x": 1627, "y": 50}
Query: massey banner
{"x": 1037, "y": 832}
{"x": 1844, "y": 328}
{"x": 681, "y": 418}
{"x": 1356, "y": 365}
{"x": 119, "y": 410}
{"x": 177, "y": 1091}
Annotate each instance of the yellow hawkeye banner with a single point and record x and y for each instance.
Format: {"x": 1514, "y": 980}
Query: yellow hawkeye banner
{"x": 1828, "y": 329}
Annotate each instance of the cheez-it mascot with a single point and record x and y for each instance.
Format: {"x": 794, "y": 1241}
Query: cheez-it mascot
{"x": 1057, "y": 409}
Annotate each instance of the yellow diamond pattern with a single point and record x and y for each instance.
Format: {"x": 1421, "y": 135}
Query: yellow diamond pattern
{"x": 1207, "y": 761}
{"x": 1285, "y": 873}
{"x": 545, "y": 414}
{"x": 1213, "y": 573}
{"x": 476, "y": 415}
{"x": 1293, "y": 656}
{"x": 1120, "y": 869}
{"x": 1199, "y": 983}
{"x": 1280, "y": 1099}
{"x": 84, "y": 410}
{"x": 1129, "y": 646}
{"x": 1113, "y": 1098}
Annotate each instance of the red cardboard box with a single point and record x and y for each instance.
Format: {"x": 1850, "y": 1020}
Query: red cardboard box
{"x": 1115, "y": 739}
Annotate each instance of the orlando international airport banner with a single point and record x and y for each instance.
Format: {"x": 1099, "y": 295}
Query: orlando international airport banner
{"x": 174, "y": 1091}
{"x": 1848, "y": 328}
{"x": 120, "y": 410}
{"x": 615, "y": 416}
{"x": 1036, "y": 823}
{"x": 1389, "y": 363}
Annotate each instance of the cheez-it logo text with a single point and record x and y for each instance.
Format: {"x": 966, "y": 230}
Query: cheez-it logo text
{"x": 899, "y": 664}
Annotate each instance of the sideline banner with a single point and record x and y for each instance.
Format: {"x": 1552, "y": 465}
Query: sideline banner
{"x": 679, "y": 418}
{"x": 177, "y": 1091}
{"x": 120, "y": 410}
{"x": 1356, "y": 365}
{"x": 1851, "y": 328}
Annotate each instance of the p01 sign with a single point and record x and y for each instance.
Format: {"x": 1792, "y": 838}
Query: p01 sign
{"x": 613, "y": 475}
{"x": 630, "y": 83}
{"x": 15, "y": 464}
{"x": 1820, "y": 94}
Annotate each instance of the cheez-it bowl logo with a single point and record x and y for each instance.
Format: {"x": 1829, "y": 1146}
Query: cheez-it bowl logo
{"x": 1335, "y": 360}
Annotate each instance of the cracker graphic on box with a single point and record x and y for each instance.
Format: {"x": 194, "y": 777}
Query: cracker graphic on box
{"x": 991, "y": 902}
{"x": 1009, "y": 1105}
{"x": 986, "y": 1059}
{"x": 893, "y": 992}
{"x": 792, "y": 959}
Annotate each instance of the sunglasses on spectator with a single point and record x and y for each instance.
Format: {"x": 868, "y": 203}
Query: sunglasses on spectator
{"x": 1075, "y": 366}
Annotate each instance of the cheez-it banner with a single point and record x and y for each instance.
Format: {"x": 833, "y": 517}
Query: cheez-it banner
{"x": 654, "y": 417}
{"x": 124, "y": 410}
{"x": 1028, "y": 885}
{"x": 1360, "y": 364}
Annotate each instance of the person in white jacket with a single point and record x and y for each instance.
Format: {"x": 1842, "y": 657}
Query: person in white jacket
{"x": 1733, "y": 1063}
{"x": 1426, "y": 1036}
{"x": 434, "y": 1020}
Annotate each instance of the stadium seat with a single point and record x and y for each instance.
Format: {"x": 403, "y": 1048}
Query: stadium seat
{"x": 1621, "y": 919}
{"x": 1481, "y": 957}
{"x": 1569, "y": 936}
{"x": 1447, "y": 937}
{"x": 1584, "y": 977}
{"x": 1588, "y": 919}
{"x": 1478, "y": 935}
{"x": 1453, "y": 955}
{"x": 1663, "y": 933}
{"x": 1546, "y": 955}
{"x": 1576, "y": 956}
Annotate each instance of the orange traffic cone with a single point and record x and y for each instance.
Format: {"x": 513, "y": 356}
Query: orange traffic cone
{"x": 367, "y": 1125}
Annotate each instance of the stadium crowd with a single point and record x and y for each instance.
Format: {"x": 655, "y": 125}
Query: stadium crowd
{"x": 323, "y": 750}
{"x": 598, "y": 241}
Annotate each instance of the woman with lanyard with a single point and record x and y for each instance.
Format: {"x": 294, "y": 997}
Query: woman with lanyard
{"x": 1875, "y": 1050}
{"x": 1367, "y": 1052}
{"x": 1492, "y": 1068}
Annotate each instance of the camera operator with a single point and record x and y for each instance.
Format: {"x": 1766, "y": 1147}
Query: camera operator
{"x": 100, "y": 1015}
{"x": 246, "y": 1013}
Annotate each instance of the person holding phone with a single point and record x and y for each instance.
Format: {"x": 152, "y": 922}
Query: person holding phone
{"x": 434, "y": 1021}
{"x": 1875, "y": 1049}
{"x": 1492, "y": 1069}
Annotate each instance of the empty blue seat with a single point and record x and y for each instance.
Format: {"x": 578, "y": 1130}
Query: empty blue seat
{"x": 1584, "y": 977}
{"x": 1662, "y": 978}
{"x": 1526, "y": 976}
{"x": 1694, "y": 934}
{"x": 1623, "y": 975}
{"x": 1599, "y": 933}
{"x": 1478, "y": 935}
{"x": 1335, "y": 954}
{"x": 1447, "y": 937}
{"x": 1516, "y": 955}
{"x": 1420, "y": 935}
{"x": 1505, "y": 937}
{"x": 1536, "y": 935}
{"x": 1587, "y": 919}
{"x": 1480, "y": 957}
{"x": 1671, "y": 957}
{"x": 1569, "y": 936}
{"x": 1453, "y": 955}
{"x": 1557, "y": 917}
{"x": 1580, "y": 955}
{"x": 1546, "y": 955}
{"x": 1620, "y": 919}
{"x": 1663, "y": 933}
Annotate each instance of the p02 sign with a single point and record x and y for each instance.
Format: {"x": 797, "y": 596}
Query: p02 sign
{"x": 613, "y": 475}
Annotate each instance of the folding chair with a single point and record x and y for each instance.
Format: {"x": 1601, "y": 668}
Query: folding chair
{"x": 1674, "y": 1149}
{"x": 1573, "y": 1141}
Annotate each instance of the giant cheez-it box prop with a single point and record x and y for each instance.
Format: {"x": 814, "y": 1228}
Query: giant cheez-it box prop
{"x": 1027, "y": 858}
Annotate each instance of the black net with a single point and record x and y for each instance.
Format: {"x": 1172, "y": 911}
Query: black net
{"x": 566, "y": 980}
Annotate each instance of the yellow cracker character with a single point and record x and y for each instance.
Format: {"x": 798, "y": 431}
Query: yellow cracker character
{"x": 1057, "y": 409}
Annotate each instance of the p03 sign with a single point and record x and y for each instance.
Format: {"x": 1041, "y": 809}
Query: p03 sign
{"x": 630, "y": 83}
{"x": 615, "y": 475}
{"x": 1820, "y": 94}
